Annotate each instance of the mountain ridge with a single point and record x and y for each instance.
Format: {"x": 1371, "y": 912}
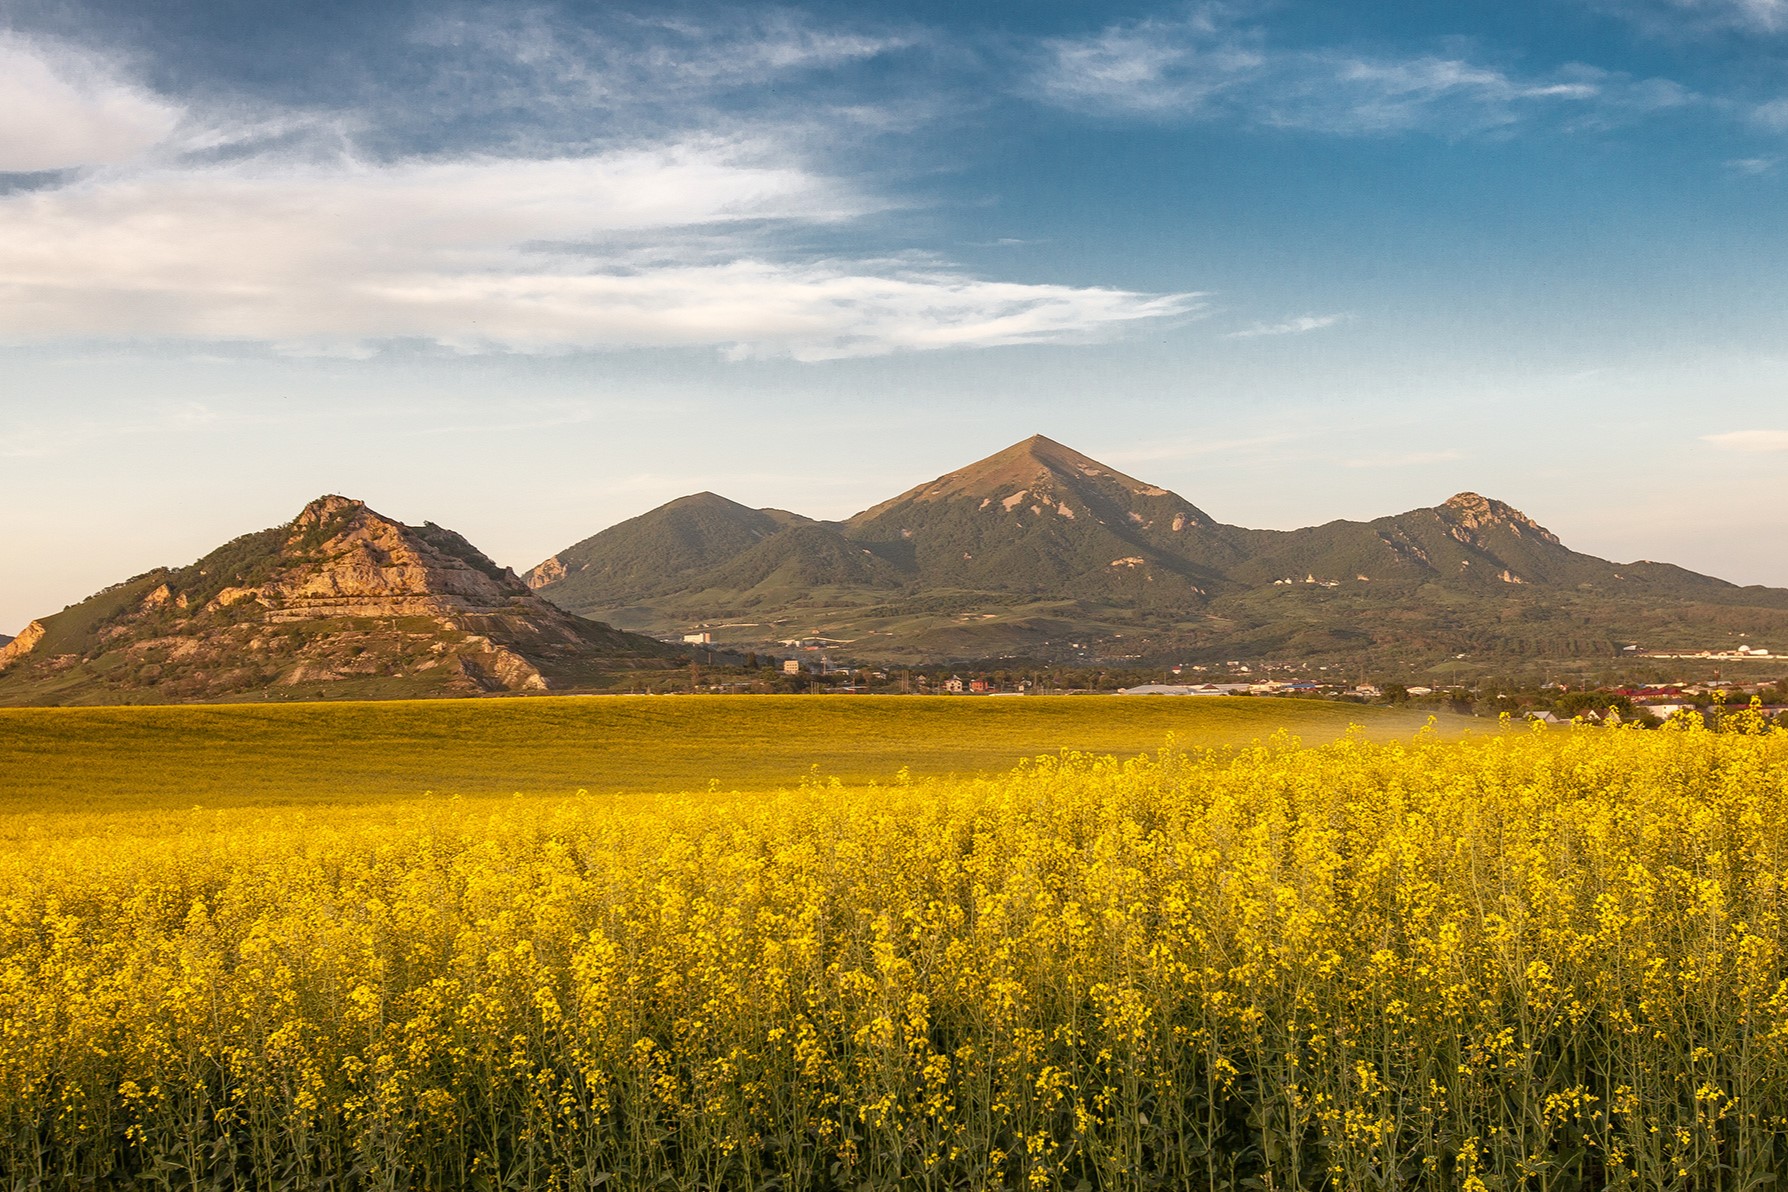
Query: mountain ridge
{"x": 1049, "y": 547}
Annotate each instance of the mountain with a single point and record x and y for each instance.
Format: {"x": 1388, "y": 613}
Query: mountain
{"x": 655, "y": 551}
{"x": 340, "y": 601}
{"x": 1043, "y": 519}
{"x": 1043, "y": 553}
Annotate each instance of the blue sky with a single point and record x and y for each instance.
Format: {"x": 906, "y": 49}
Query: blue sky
{"x": 526, "y": 270}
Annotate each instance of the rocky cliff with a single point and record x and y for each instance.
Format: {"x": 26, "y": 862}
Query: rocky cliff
{"x": 340, "y": 601}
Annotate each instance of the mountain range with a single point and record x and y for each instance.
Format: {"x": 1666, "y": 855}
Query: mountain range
{"x": 1036, "y": 555}
{"x": 341, "y": 601}
{"x": 1042, "y": 553}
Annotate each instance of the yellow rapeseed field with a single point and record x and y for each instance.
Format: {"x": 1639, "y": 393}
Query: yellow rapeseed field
{"x": 1540, "y": 960}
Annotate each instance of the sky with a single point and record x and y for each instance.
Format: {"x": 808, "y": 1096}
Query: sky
{"x": 526, "y": 270}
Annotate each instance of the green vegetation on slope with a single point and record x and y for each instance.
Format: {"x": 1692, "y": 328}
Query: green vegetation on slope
{"x": 98, "y": 759}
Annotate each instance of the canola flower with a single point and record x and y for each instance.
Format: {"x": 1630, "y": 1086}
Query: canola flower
{"x": 1547, "y": 960}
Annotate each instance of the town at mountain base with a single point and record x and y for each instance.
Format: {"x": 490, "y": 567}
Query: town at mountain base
{"x": 341, "y": 602}
{"x": 1044, "y": 554}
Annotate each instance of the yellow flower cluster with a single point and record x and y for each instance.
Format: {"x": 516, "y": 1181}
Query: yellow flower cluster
{"x": 1539, "y": 960}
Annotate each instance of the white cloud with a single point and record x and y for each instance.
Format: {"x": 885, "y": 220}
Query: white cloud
{"x": 1750, "y": 441}
{"x": 1670, "y": 18}
{"x": 670, "y": 245}
{"x": 1772, "y": 116}
{"x": 526, "y": 75}
{"x": 1205, "y": 68}
{"x": 303, "y": 244}
{"x": 62, "y": 108}
{"x": 1767, "y": 16}
{"x": 1193, "y": 448}
{"x": 613, "y": 61}
{"x": 1407, "y": 459}
{"x": 1149, "y": 66}
{"x": 1753, "y": 166}
{"x": 1297, "y": 326}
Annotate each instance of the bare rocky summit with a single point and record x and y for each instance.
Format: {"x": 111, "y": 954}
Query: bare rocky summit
{"x": 342, "y": 600}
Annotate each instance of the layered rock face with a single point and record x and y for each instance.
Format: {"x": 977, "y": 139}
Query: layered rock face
{"x": 344, "y": 559}
{"x": 342, "y": 600}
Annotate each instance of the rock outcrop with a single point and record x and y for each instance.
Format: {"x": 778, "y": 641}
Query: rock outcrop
{"x": 17, "y": 647}
{"x": 342, "y": 600}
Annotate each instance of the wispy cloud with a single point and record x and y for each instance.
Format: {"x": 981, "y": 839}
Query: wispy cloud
{"x": 1750, "y": 441}
{"x": 1406, "y": 459}
{"x": 1672, "y": 18}
{"x": 1150, "y": 66}
{"x": 63, "y": 107}
{"x": 521, "y": 76}
{"x": 1206, "y": 67}
{"x": 609, "y": 62}
{"x": 679, "y": 241}
{"x": 1192, "y": 448}
{"x": 1753, "y": 166}
{"x": 1298, "y": 326}
{"x": 1771, "y": 116}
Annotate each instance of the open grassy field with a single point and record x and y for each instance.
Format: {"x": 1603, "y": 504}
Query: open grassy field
{"x": 98, "y": 759}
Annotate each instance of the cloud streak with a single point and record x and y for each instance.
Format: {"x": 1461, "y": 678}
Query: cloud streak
{"x": 1301, "y": 325}
{"x": 1408, "y": 459}
{"x": 1672, "y": 18}
{"x": 1205, "y": 68}
{"x": 1754, "y": 442}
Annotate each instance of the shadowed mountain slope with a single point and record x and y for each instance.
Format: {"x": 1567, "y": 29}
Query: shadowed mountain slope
{"x": 341, "y": 601}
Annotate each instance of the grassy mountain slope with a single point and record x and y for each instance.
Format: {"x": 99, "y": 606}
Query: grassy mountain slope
{"x": 655, "y": 552}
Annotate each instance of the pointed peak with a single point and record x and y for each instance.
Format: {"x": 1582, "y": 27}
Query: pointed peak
{"x": 1037, "y": 469}
{"x": 1045, "y": 450}
{"x": 1029, "y": 459}
{"x": 706, "y": 499}
{"x": 326, "y": 507}
{"x": 1476, "y": 505}
{"x": 1472, "y": 511}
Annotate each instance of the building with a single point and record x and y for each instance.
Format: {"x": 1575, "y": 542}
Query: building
{"x": 703, "y": 638}
{"x": 791, "y": 666}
